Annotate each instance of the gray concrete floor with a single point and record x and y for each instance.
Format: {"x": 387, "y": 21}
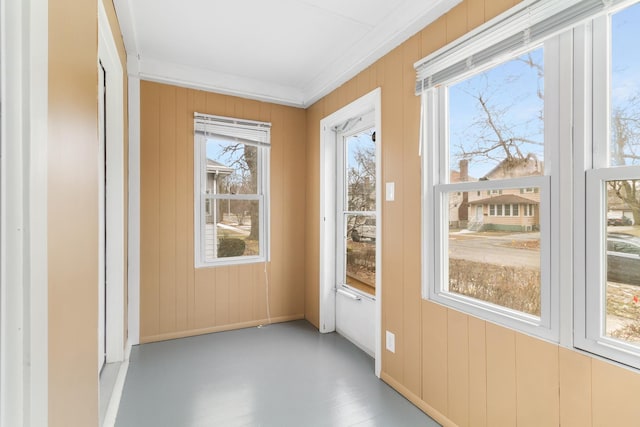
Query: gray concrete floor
{"x": 108, "y": 378}
{"x": 280, "y": 375}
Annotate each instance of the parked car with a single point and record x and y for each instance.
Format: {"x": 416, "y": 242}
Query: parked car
{"x": 623, "y": 258}
{"x": 619, "y": 221}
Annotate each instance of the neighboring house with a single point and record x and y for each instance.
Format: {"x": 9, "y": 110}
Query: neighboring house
{"x": 459, "y": 201}
{"x": 509, "y": 209}
{"x": 216, "y": 172}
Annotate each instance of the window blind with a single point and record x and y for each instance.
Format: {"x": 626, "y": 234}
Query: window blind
{"x": 525, "y": 25}
{"x": 247, "y": 131}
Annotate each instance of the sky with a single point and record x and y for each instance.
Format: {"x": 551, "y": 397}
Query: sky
{"x": 510, "y": 91}
{"x": 625, "y": 63}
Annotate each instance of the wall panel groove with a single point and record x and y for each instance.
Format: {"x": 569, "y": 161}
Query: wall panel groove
{"x": 176, "y": 298}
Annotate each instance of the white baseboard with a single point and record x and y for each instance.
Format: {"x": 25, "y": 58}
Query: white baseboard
{"x": 116, "y": 395}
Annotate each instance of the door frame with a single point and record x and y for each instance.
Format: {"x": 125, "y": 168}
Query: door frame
{"x": 364, "y": 104}
{"x": 24, "y": 312}
{"x": 115, "y": 189}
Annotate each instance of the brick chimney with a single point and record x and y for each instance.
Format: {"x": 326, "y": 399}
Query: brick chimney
{"x": 463, "y": 209}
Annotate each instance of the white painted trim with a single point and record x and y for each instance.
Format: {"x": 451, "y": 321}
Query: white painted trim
{"x": 118, "y": 388}
{"x": 38, "y": 250}
{"x": 582, "y": 161}
{"x": 227, "y": 84}
{"x": 364, "y": 104}
{"x": 134, "y": 211}
{"x": 115, "y": 191}
{"x": 596, "y": 340}
{"x": 592, "y": 160}
{"x": 435, "y": 186}
{"x": 255, "y": 133}
{"x": 332, "y": 76}
{"x": 327, "y": 269}
{"x": 562, "y": 200}
{"x": 23, "y": 168}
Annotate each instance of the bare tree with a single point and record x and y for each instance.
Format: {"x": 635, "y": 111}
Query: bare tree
{"x": 494, "y": 135}
{"x": 244, "y": 158}
{"x": 625, "y": 145}
{"x": 361, "y": 181}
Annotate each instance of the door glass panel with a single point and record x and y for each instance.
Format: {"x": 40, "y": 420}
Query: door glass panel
{"x": 361, "y": 171}
{"x": 357, "y": 210}
{"x": 623, "y": 261}
{"x": 360, "y": 256}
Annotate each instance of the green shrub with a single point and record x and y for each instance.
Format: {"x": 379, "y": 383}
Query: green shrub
{"x": 230, "y": 247}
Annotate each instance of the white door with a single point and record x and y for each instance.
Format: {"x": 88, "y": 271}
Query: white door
{"x": 101, "y": 216}
{"x": 356, "y": 243}
{"x": 479, "y": 214}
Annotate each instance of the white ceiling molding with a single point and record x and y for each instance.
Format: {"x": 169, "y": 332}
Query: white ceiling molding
{"x": 226, "y": 84}
{"x": 290, "y": 52}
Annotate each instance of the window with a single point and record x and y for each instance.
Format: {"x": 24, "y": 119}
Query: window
{"x": 612, "y": 295}
{"x": 231, "y": 190}
{"x": 494, "y": 120}
{"x": 529, "y": 210}
{"x": 577, "y": 119}
{"x": 501, "y": 99}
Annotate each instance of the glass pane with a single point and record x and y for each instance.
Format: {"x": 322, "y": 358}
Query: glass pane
{"x": 625, "y": 88}
{"x": 232, "y": 228}
{"x": 623, "y": 260}
{"x": 360, "y": 271}
{"x": 361, "y": 171}
{"x": 494, "y": 253}
{"x": 232, "y": 167}
{"x": 496, "y": 126}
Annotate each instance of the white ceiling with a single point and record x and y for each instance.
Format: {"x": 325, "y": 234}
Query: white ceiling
{"x": 291, "y": 52}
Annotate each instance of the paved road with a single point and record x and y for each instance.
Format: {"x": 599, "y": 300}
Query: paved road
{"x": 494, "y": 249}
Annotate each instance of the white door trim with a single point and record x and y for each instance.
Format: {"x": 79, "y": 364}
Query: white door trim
{"x": 134, "y": 207}
{"x": 368, "y": 102}
{"x": 108, "y": 55}
{"x": 23, "y": 203}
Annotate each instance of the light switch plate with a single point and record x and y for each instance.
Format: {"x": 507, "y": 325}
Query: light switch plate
{"x": 390, "y": 192}
{"x": 390, "y": 342}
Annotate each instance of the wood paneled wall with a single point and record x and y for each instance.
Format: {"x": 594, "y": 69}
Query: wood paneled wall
{"x": 461, "y": 370}
{"x": 73, "y": 208}
{"x": 73, "y": 213}
{"x": 177, "y": 299}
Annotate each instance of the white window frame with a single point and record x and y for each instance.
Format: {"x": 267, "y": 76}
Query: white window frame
{"x": 435, "y": 161}
{"x": 435, "y": 210}
{"x": 532, "y": 21}
{"x": 247, "y": 132}
{"x": 593, "y": 161}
